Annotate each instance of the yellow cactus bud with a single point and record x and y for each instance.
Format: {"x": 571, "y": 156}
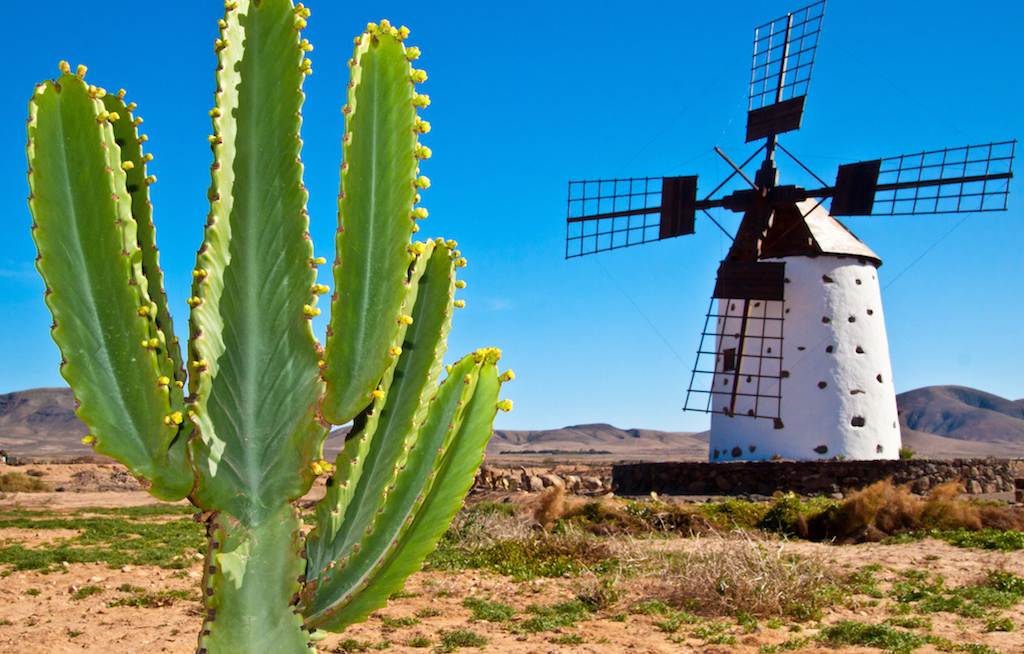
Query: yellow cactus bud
{"x": 215, "y": 112}
{"x": 378, "y": 394}
{"x": 320, "y": 261}
{"x": 199, "y": 273}
{"x": 460, "y": 284}
{"x": 418, "y": 248}
{"x": 420, "y": 100}
{"x": 305, "y": 46}
{"x": 199, "y": 363}
{"x": 416, "y": 199}
{"x": 423, "y": 152}
{"x": 452, "y": 244}
{"x": 137, "y": 121}
{"x": 358, "y": 40}
{"x": 421, "y": 126}
{"x": 146, "y": 158}
{"x": 459, "y": 303}
{"x": 448, "y": 368}
{"x": 153, "y": 342}
{"x": 88, "y": 440}
{"x": 316, "y": 468}
{"x": 145, "y": 343}
{"x": 151, "y": 179}
{"x": 505, "y": 405}
{"x": 321, "y": 363}
{"x": 121, "y": 94}
{"x": 103, "y": 115}
{"x": 415, "y": 228}
{"x": 394, "y": 350}
{"x": 460, "y": 263}
{"x": 163, "y": 381}
{"x": 127, "y": 165}
{"x": 320, "y": 289}
{"x": 80, "y": 73}
{"x": 456, "y": 254}
{"x": 403, "y": 32}
{"x": 65, "y": 67}
{"x": 142, "y": 139}
{"x": 385, "y": 25}
{"x": 114, "y": 117}
{"x": 412, "y": 54}
{"x": 310, "y": 311}
{"x": 404, "y": 320}
{"x": 300, "y": 23}
{"x": 419, "y": 213}
{"x": 468, "y": 378}
{"x": 230, "y": 5}
{"x": 180, "y": 384}
{"x": 371, "y": 28}
{"x": 508, "y": 375}
{"x": 221, "y": 23}
{"x": 418, "y": 76}
{"x": 423, "y": 182}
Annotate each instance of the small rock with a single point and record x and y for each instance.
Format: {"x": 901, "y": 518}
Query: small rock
{"x": 126, "y": 568}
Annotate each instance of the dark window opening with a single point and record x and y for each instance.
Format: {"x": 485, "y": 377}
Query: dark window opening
{"x": 730, "y": 359}
{"x": 858, "y": 421}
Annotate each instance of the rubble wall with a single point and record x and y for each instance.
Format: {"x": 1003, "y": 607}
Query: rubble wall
{"x": 811, "y": 478}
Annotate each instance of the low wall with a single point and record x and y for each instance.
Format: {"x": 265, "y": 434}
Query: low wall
{"x": 810, "y": 477}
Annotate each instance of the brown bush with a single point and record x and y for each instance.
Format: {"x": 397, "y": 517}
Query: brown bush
{"x": 551, "y": 507}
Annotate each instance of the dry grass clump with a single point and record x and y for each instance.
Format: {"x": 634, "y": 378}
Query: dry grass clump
{"x": 610, "y": 517}
{"x": 16, "y": 482}
{"x": 885, "y": 509}
{"x": 735, "y": 573}
{"x": 551, "y": 507}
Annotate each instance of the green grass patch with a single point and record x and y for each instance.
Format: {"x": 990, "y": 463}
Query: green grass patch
{"x": 567, "y": 639}
{"x": 882, "y": 636}
{"x": 394, "y": 623}
{"x": 419, "y": 641}
{"x": 652, "y": 607}
{"x": 117, "y": 541}
{"x": 154, "y": 600}
{"x": 428, "y": 613}
{"x": 520, "y": 559}
{"x": 488, "y": 611}
{"x": 452, "y": 640}
{"x": 86, "y": 591}
{"x": 546, "y": 618}
{"x": 1000, "y": 624}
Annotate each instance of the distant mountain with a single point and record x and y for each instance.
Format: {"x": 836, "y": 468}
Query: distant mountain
{"x": 953, "y": 420}
{"x": 937, "y": 421}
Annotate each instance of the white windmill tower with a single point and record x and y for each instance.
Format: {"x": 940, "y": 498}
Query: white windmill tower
{"x": 794, "y": 359}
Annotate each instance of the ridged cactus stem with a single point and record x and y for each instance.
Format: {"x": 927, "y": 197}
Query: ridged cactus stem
{"x": 247, "y": 441}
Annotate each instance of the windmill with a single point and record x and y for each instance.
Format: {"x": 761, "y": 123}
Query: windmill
{"x": 793, "y": 359}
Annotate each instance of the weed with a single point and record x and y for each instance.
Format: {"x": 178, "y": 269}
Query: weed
{"x": 911, "y": 623}
{"x": 488, "y": 611}
{"x": 882, "y": 636}
{"x": 675, "y": 621}
{"x": 599, "y": 594}
{"x": 999, "y": 624}
{"x": 73, "y": 633}
{"x": 503, "y": 508}
{"x": 546, "y": 618}
{"x": 523, "y": 559}
{"x": 128, "y": 588}
{"x": 154, "y": 600}
{"x": 986, "y": 539}
{"x": 86, "y": 591}
{"x": 652, "y": 607}
{"x": 864, "y": 582}
{"x": 16, "y": 482}
{"x": 353, "y": 645}
{"x": 5, "y": 623}
{"x": 428, "y": 613}
{"x": 775, "y": 623}
{"x": 747, "y": 621}
{"x": 403, "y": 594}
{"x": 567, "y": 639}
{"x": 452, "y": 640}
{"x": 32, "y": 591}
{"x": 786, "y": 646}
{"x": 394, "y": 623}
{"x": 713, "y": 633}
{"x": 419, "y": 641}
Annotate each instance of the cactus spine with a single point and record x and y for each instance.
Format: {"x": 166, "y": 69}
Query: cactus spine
{"x": 262, "y": 392}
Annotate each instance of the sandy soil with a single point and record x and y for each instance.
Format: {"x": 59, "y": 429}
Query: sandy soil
{"x": 37, "y": 613}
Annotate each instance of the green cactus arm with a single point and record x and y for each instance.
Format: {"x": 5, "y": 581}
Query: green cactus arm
{"x": 126, "y": 135}
{"x": 367, "y": 469}
{"x": 253, "y": 359}
{"x": 440, "y": 470}
{"x": 375, "y": 222}
{"x": 251, "y": 578}
{"x": 90, "y": 261}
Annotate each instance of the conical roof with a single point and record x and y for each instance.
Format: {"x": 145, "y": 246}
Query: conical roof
{"x": 807, "y": 229}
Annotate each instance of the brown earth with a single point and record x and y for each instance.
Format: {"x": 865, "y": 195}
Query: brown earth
{"x": 38, "y": 614}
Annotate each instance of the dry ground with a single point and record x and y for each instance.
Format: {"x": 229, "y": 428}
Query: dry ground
{"x": 38, "y": 613}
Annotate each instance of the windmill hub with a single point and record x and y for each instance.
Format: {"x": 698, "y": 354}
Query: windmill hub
{"x": 794, "y": 359}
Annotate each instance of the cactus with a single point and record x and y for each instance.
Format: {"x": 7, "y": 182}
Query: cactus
{"x": 247, "y": 440}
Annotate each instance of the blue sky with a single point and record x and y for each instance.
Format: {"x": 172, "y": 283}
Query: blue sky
{"x": 529, "y": 95}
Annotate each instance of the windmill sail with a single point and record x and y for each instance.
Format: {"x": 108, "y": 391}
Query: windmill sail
{"x": 952, "y": 180}
{"x": 783, "y": 57}
{"x": 616, "y": 213}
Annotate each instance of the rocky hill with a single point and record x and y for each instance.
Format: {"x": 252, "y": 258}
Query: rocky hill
{"x": 937, "y": 422}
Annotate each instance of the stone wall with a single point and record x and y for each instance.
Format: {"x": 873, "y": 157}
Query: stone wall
{"x": 811, "y": 477}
